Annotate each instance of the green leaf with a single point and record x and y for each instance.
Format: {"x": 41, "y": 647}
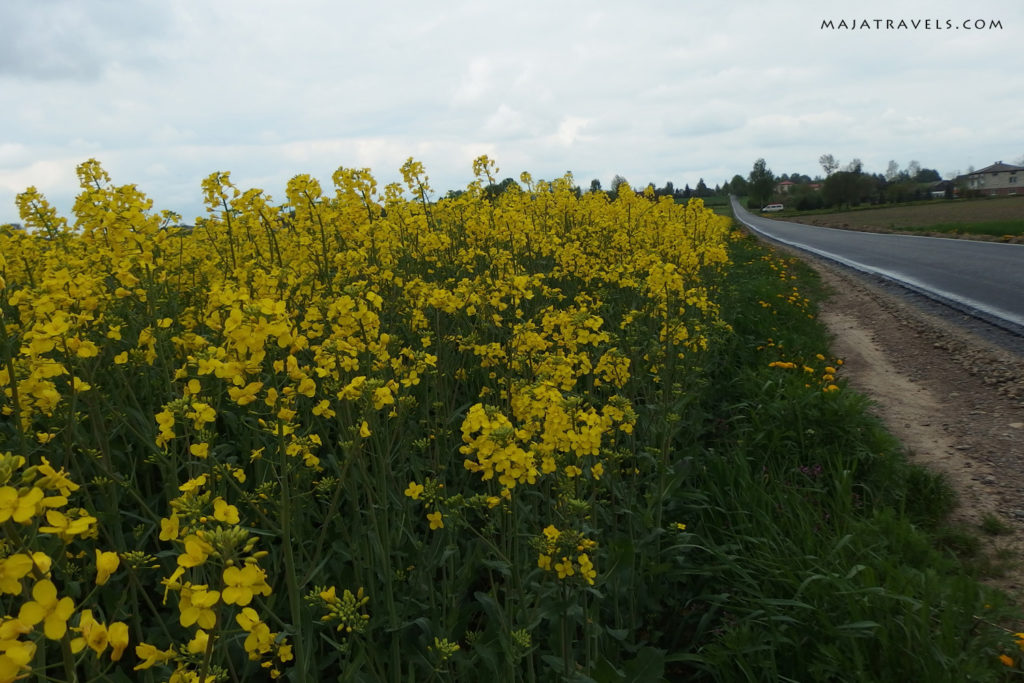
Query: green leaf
{"x": 647, "y": 667}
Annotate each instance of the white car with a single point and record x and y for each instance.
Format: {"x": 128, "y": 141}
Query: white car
{"x": 772, "y": 207}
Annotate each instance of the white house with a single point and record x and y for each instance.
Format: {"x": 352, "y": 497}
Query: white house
{"x": 997, "y": 179}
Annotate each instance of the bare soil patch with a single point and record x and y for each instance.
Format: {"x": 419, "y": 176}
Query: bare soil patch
{"x": 952, "y": 390}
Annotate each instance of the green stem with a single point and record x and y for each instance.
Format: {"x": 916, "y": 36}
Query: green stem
{"x": 68, "y": 660}
{"x": 294, "y": 596}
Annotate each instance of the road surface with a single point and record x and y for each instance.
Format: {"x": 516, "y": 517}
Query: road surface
{"x": 985, "y": 279}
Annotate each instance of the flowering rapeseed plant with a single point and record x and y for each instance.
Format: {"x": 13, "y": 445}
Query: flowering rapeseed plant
{"x": 227, "y": 412}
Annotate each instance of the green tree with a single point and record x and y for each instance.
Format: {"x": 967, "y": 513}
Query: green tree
{"x": 828, "y": 163}
{"x": 616, "y": 182}
{"x": 495, "y": 190}
{"x": 762, "y": 183}
{"x": 739, "y": 185}
{"x": 849, "y": 187}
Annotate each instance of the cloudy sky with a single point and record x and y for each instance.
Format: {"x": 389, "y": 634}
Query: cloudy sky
{"x": 164, "y": 93}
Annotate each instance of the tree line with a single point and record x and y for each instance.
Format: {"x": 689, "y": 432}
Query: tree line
{"x": 669, "y": 189}
{"x": 840, "y": 186}
{"x": 847, "y": 185}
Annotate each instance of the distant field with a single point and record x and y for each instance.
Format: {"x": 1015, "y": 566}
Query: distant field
{"x": 998, "y": 217}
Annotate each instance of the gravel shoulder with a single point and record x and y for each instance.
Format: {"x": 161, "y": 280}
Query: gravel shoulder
{"x": 951, "y": 389}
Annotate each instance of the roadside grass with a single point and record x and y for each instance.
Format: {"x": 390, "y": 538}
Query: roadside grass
{"x": 823, "y": 553}
{"x": 993, "y": 526}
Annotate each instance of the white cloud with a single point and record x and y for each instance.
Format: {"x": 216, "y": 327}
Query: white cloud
{"x": 569, "y": 130}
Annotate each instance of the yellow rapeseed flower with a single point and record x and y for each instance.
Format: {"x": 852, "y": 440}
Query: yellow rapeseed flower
{"x": 196, "y": 606}
{"x": 20, "y": 507}
{"x": 46, "y": 607}
{"x": 565, "y": 568}
{"x": 587, "y": 570}
{"x": 382, "y": 396}
{"x": 16, "y": 654}
{"x": 67, "y": 527}
{"x": 436, "y": 522}
{"x": 169, "y": 528}
{"x": 196, "y": 551}
{"x": 93, "y": 634}
{"x": 200, "y": 640}
{"x": 106, "y": 564}
{"x": 117, "y": 635}
{"x": 151, "y": 656}
{"x": 224, "y": 512}
{"x": 12, "y": 570}
{"x": 242, "y": 583}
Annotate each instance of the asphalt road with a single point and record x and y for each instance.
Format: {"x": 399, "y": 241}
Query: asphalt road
{"x": 982, "y": 278}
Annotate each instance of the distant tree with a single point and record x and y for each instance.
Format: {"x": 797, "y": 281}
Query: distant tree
{"x": 687, "y": 192}
{"x": 902, "y": 190}
{"x": 928, "y": 175}
{"x": 837, "y": 188}
{"x": 828, "y": 163}
{"x": 595, "y": 185}
{"x": 850, "y": 187}
{"x": 495, "y": 190}
{"x": 726, "y": 188}
{"x": 762, "y": 183}
{"x": 616, "y": 182}
{"x": 892, "y": 171}
{"x": 669, "y": 190}
{"x": 739, "y": 185}
{"x": 803, "y": 198}
{"x": 702, "y": 189}
{"x": 913, "y": 168}
{"x": 855, "y": 166}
